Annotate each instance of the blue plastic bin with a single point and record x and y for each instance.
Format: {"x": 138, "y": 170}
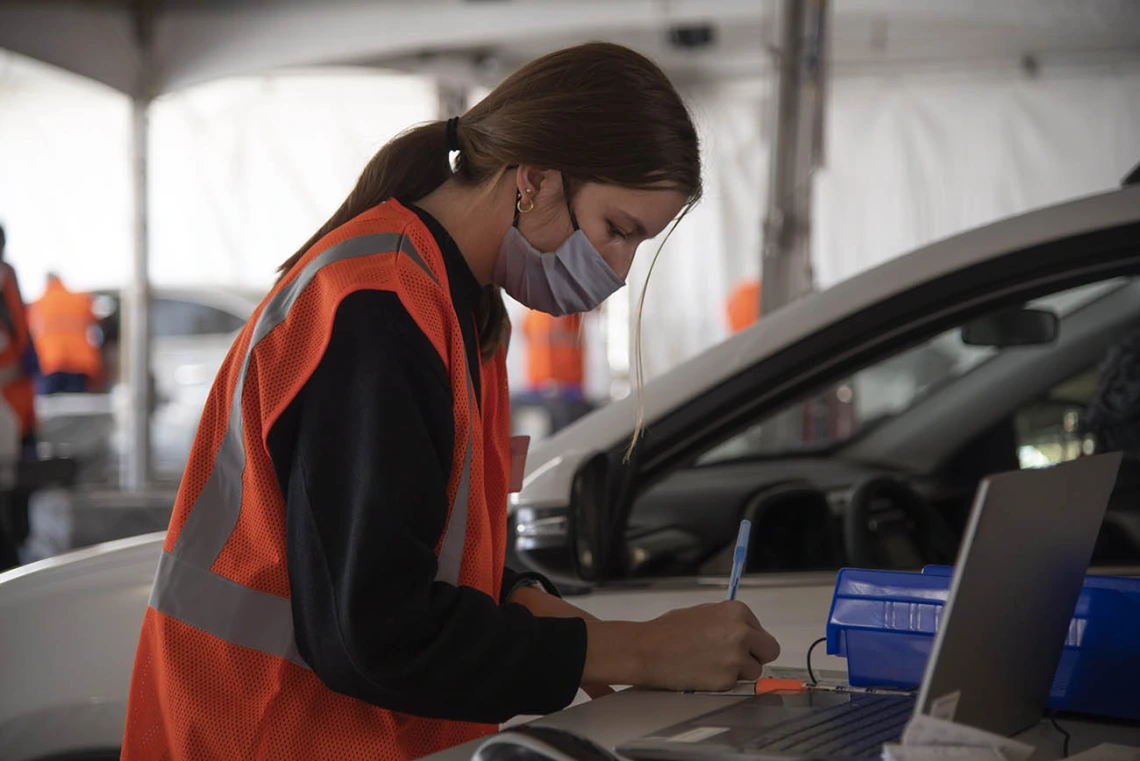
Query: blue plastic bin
{"x": 883, "y": 623}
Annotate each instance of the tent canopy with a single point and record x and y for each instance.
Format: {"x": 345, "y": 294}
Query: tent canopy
{"x": 200, "y": 40}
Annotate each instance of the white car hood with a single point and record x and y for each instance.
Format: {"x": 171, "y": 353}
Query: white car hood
{"x": 69, "y": 627}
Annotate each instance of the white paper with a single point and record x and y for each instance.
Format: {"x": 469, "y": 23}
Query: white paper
{"x": 698, "y": 734}
{"x": 926, "y": 731}
{"x": 1108, "y": 752}
{"x": 746, "y": 687}
{"x": 941, "y": 753}
{"x": 946, "y": 707}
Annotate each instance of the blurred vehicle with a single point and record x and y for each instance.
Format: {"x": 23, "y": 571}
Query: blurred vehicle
{"x": 192, "y": 330}
{"x": 852, "y": 426}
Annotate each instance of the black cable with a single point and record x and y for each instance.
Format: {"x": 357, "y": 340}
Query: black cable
{"x": 811, "y": 673}
{"x": 1068, "y": 736}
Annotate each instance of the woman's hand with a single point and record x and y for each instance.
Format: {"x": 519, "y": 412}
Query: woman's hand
{"x": 708, "y": 647}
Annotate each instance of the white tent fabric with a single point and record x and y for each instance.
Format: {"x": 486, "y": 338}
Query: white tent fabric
{"x": 911, "y": 158}
{"x": 196, "y": 41}
{"x": 915, "y": 158}
{"x": 64, "y": 191}
{"x": 244, "y": 170}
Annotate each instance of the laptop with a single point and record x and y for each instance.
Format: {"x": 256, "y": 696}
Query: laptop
{"x": 1019, "y": 573}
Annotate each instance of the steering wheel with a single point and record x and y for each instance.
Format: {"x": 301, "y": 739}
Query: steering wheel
{"x": 889, "y": 525}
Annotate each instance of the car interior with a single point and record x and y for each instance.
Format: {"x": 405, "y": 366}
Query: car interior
{"x": 879, "y": 470}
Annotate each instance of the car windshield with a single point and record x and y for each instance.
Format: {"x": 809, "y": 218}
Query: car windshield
{"x": 881, "y": 391}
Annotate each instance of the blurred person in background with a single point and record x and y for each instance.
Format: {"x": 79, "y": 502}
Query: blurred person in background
{"x": 333, "y": 584}
{"x": 554, "y": 352}
{"x": 555, "y": 366}
{"x": 67, "y": 337}
{"x": 1113, "y": 416}
{"x": 743, "y": 306}
{"x": 17, "y": 405}
{"x": 1113, "y": 420}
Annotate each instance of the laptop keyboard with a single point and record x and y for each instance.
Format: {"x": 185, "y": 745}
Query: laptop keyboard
{"x": 857, "y": 729}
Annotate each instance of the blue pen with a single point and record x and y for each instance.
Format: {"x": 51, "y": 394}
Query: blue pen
{"x": 739, "y": 555}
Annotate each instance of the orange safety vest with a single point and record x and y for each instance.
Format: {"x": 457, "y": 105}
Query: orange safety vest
{"x": 16, "y": 386}
{"x": 554, "y": 349}
{"x": 60, "y": 322}
{"x": 217, "y": 674}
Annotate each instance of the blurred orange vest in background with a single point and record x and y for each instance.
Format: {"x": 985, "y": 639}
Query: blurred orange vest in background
{"x": 743, "y": 306}
{"x": 554, "y": 349}
{"x": 16, "y": 386}
{"x": 61, "y": 322}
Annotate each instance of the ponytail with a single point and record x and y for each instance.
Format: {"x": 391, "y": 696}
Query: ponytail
{"x": 410, "y": 166}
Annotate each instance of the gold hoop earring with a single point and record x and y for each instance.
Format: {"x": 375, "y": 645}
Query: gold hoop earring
{"x": 524, "y": 209}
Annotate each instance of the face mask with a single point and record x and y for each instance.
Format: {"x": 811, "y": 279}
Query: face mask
{"x": 572, "y": 278}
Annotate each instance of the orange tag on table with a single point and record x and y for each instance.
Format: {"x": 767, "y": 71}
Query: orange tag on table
{"x": 764, "y": 685}
{"x": 519, "y": 447}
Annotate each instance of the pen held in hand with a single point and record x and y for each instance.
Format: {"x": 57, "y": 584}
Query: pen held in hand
{"x": 739, "y": 555}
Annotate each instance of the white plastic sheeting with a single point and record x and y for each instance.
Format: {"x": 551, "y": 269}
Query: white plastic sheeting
{"x": 244, "y": 170}
{"x": 917, "y": 158}
{"x": 911, "y": 158}
{"x": 64, "y": 176}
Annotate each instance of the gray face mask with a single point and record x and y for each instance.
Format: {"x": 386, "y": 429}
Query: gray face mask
{"x": 572, "y": 278}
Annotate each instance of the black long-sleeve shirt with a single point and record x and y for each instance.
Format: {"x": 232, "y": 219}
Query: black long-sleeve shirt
{"x": 363, "y": 455}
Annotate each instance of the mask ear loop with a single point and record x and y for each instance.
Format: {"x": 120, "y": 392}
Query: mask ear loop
{"x": 566, "y": 195}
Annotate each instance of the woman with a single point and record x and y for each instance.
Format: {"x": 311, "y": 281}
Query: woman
{"x": 332, "y": 584}
{"x": 17, "y": 407}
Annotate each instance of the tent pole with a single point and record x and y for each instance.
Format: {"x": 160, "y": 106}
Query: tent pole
{"x": 796, "y": 152}
{"x": 135, "y": 463}
{"x": 786, "y": 267}
{"x": 134, "y": 471}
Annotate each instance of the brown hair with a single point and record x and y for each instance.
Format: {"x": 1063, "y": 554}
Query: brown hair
{"x": 596, "y": 113}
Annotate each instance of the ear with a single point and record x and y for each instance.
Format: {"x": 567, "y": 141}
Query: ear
{"x": 529, "y": 177}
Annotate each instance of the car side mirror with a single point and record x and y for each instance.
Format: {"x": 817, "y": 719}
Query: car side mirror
{"x": 586, "y": 528}
{"x": 1013, "y": 327}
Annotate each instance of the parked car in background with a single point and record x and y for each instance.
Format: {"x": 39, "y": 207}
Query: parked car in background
{"x": 886, "y": 398}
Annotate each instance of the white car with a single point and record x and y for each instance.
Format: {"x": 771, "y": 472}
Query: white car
{"x": 192, "y": 330}
{"x": 865, "y": 396}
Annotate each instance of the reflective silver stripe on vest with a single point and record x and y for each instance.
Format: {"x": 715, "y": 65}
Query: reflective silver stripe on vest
{"x": 207, "y": 531}
{"x": 455, "y": 536}
{"x": 219, "y": 606}
{"x": 184, "y": 587}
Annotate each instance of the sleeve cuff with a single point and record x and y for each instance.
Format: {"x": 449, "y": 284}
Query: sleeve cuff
{"x": 562, "y": 659}
{"x": 512, "y": 580}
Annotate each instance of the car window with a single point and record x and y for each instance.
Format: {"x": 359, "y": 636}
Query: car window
{"x": 1054, "y": 428}
{"x": 175, "y": 317}
{"x": 881, "y": 391}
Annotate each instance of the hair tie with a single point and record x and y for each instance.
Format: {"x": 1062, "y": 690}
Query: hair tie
{"x": 453, "y": 134}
